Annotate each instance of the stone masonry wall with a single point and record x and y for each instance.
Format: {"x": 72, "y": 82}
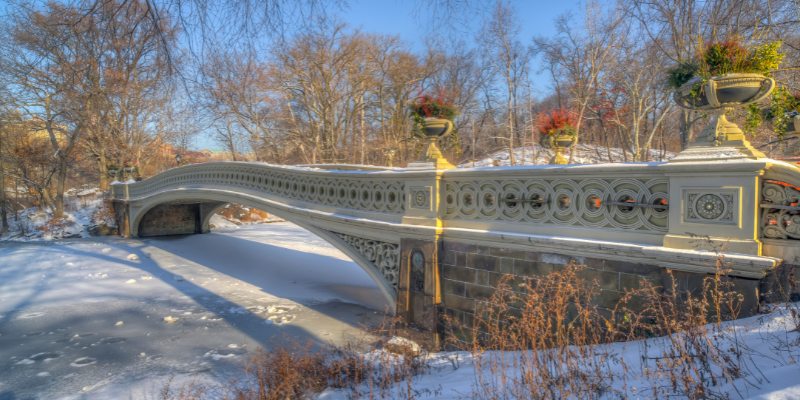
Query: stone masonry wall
{"x": 470, "y": 274}
{"x": 171, "y": 219}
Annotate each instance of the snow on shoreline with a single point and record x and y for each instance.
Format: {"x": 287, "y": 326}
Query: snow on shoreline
{"x": 83, "y": 210}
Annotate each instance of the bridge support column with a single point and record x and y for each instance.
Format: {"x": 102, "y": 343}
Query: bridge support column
{"x": 122, "y": 217}
{"x": 419, "y": 287}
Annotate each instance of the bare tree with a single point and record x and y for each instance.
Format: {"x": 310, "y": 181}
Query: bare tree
{"x": 583, "y": 55}
{"x": 510, "y": 59}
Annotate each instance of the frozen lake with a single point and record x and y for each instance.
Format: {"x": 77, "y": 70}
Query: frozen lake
{"x": 116, "y": 318}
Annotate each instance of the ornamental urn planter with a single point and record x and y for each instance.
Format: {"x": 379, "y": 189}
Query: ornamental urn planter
{"x": 729, "y": 90}
{"x": 560, "y": 143}
{"x": 718, "y": 95}
{"x": 434, "y": 128}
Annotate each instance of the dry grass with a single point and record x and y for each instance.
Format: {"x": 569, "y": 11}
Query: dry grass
{"x": 555, "y": 319}
{"x": 300, "y": 372}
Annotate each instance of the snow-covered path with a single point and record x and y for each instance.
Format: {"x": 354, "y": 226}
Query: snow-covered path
{"x": 115, "y": 318}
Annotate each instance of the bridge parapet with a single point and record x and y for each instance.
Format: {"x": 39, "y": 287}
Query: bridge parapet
{"x": 582, "y": 201}
{"x": 374, "y": 191}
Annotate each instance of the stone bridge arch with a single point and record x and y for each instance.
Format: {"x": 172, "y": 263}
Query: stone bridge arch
{"x": 375, "y": 251}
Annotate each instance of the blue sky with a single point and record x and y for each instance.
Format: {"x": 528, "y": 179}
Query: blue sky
{"x": 404, "y": 18}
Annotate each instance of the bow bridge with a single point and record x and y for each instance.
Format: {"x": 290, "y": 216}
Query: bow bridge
{"x": 438, "y": 240}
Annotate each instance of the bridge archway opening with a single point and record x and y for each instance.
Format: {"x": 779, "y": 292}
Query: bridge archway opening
{"x": 163, "y": 217}
{"x": 231, "y": 215}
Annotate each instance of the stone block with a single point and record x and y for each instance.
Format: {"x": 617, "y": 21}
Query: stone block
{"x": 482, "y": 277}
{"x": 479, "y": 291}
{"x": 606, "y": 279}
{"x": 483, "y": 250}
{"x": 510, "y": 253}
{"x": 631, "y": 268}
{"x": 495, "y": 278}
{"x": 454, "y": 287}
{"x": 694, "y": 283}
{"x": 552, "y": 258}
{"x": 480, "y": 261}
{"x": 634, "y": 281}
{"x": 780, "y": 284}
{"x": 749, "y": 290}
{"x": 458, "y": 247}
{"x": 607, "y": 298}
{"x": 461, "y": 259}
{"x": 676, "y": 279}
{"x": 171, "y": 219}
{"x": 469, "y": 320}
{"x": 459, "y": 302}
{"x": 459, "y": 274}
{"x": 506, "y": 265}
{"x": 449, "y": 258}
{"x": 531, "y": 268}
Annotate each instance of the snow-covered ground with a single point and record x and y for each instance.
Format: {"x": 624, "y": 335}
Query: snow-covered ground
{"x": 768, "y": 349}
{"x": 113, "y": 318}
{"x": 83, "y": 209}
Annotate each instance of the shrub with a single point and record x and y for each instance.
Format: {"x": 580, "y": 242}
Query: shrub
{"x": 427, "y": 106}
{"x": 719, "y": 58}
{"x": 556, "y": 122}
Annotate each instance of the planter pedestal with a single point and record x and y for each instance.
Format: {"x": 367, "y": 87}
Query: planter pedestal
{"x": 722, "y": 139}
{"x": 434, "y": 128}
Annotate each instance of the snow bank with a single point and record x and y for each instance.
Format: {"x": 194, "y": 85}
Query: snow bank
{"x": 84, "y": 209}
{"x": 584, "y": 154}
{"x": 768, "y": 345}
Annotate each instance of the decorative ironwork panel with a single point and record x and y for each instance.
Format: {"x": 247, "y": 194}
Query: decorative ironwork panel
{"x": 377, "y": 194}
{"x": 639, "y": 203}
{"x": 385, "y": 257}
{"x": 780, "y": 217}
{"x": 421, "y": 197}
{"x": 711, "y": 206}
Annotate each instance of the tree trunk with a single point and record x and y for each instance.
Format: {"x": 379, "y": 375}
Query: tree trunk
{"x": 61, "y": 181}
{"x": 3, "y": 208}
{"x": 685, "y": 127}
{"x": 363, "y": 129}
{"x": 102, "y": 168}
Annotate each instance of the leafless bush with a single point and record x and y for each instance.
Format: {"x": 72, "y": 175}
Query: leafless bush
{"x": 697, "y": 354}
{"x": 297, "y": 372}
{"x": 554, "y": 320}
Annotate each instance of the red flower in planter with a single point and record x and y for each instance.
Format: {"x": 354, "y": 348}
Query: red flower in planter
{"x": 556, "y": 122}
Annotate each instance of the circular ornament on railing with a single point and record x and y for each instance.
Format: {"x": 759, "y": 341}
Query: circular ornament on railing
{"x": 566, "y": 198}
{"x": 420, "y": 199}
{"x": 511, "y": 204}
{"x": 709, "y": 206}
{"x": 488, "y": 200}
{"x": 468, "y": 198}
